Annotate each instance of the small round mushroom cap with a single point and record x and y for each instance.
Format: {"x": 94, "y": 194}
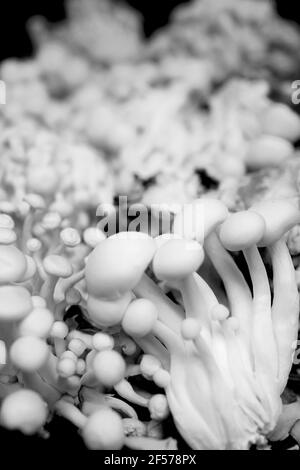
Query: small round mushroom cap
{"x": 92, "y": 236}
{"x": 162, "y": 378}
{"x": 66, "y": 367}
{"x": 198, "y": 219}
{"x": 33, "y": 245}
{"x": 241, "y": 230}
{"x": 158, "y": 407}
{"x": 35, "y": 201}
{"x": 70, "y": 237}
{"x": 279, "y": 216}
{"x": 38, "y": 323}
{"x": 13, "y": 264}
{"x": 57, "y": 265}
{"x": 139, "y": 318}
{"x": 23, "y": 410}
{"x": 116, "y": 265}
{"x": 29, "y": 353}
{"x": 149, "y": 365}
{"x": 109, "y": 367}
{"x": 51, "y": 221}
{"x": 105, "y": 313}
{"x": 102, "y": 341}
{"x": 177, "y": 259}
{"x": 190, "y": 328}
{"x": 15, "y": 303}
{"x": 6, "y": 221}
{"x": 280, "y": 120}
{"x": 268, "y": 150}
{"x": 7, "y": 236}
{"x": 104, "y": 430}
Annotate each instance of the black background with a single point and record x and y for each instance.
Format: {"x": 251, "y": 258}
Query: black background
{"x": 14, "y": 42}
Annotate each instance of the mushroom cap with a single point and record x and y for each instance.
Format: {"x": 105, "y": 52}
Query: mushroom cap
{"x": 268, "y": 150}
{"x": 241, "y": 230}
{"x": 102, "y": 341}
{"x": 7, "y": 236}
{"x": 198, "y": 219}
{"x": 57, "y": 265}
{"x": 15, "y": 303}
{"x": 116, "y": 264}
{"x": 105, "y": 313}
{"x": 279, "y": 216}
{"x": 38, "y": 323}
{"x": 23, "y": 410}
{"x": 109, "y": 367}
{"x": 6, "y": 221}
{"x": 13, "y": 264}
{"x": 140, "y": 318}
{"x": 158, "y": 407}
{"x": 29, "y": 353}
{"x": 280, "y": 120}
{"x": 92, "y": 236}
{"x": 104, "y": 430}
{"x": 70, "y": 237}
{"x": 176, "y": 259}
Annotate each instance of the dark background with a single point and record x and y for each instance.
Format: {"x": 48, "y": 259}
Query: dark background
{"x": 14, "y": 13}
{"x": 14, "y": 42}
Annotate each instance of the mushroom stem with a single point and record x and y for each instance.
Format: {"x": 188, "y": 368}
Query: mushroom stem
{"x": 151, "y": 345}
{"x": 237, "y": 290}
{"x": 264, "y": 346}
{"x": 169, "y": 313}
{"x": 71, "y": 413}
{"x": 285, "y": 308}
{"x": 121, "y": 406}
{"x": 126, "y": 391}
{"x": 35, "y": 382}
{"x": 197, "y": 299}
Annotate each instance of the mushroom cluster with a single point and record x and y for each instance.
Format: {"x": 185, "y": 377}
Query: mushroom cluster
{"x": 219, "y": 358}
{"x": 78, "y": 120}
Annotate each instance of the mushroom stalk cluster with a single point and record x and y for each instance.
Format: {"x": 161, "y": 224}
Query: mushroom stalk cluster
{"x": 223, "y": 367}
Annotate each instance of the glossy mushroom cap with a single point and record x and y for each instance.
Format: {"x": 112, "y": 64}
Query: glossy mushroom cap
{"x": 57, "y": 265}
{"x": 105, "y": 313}
{"x": 104, "y": 430}
{"x": 23, "y": 410}
{"x": 15, "y": 303}
{"x": 29, "y": 353}
{"x": 279, "y": 216}
{"x": 198, "y": 219}
{"x": 281, "y": 121}
{"x": 176, "y": 259}
{"x": 241, "y": 230}
{"x": 139, "y": 318}
{"x": 116, "y": 265}
{"x": 13, "y": 264}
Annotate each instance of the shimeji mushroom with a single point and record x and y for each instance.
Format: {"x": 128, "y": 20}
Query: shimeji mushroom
{"x": 24, "y": 410}
{"x": 113, "y": 269}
